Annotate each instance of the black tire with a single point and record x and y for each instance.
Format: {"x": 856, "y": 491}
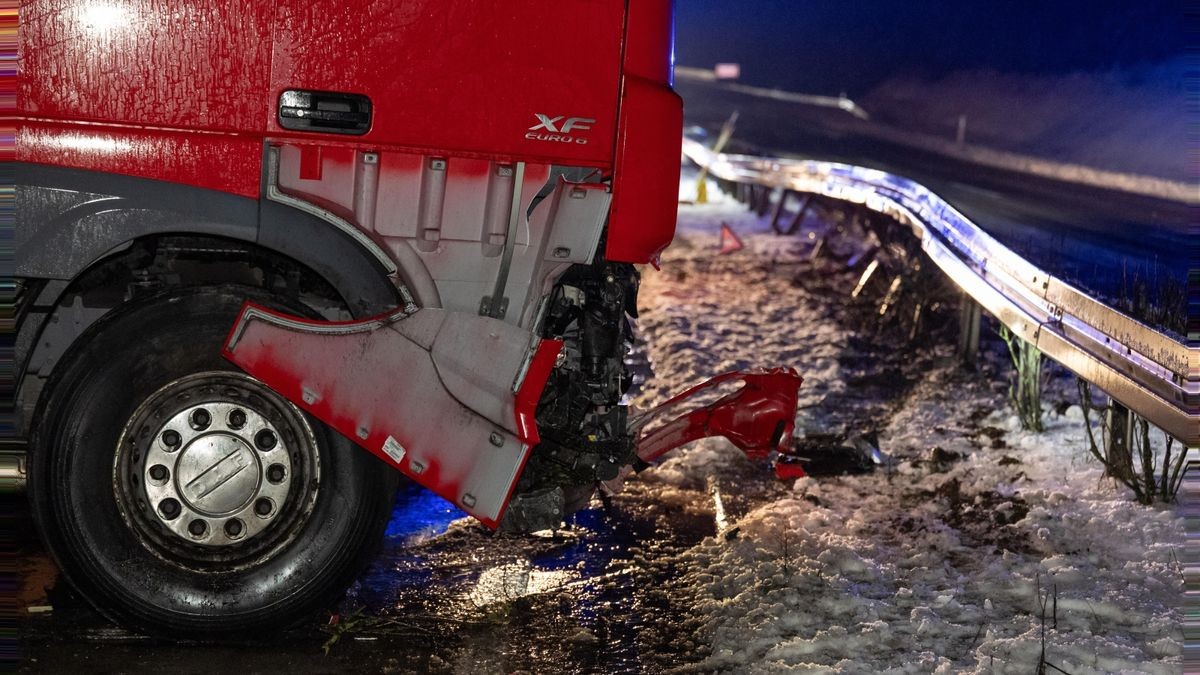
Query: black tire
{"x": 115, "y": 559}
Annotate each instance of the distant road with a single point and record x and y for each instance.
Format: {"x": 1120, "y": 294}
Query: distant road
{"x": 1091, "y": 236}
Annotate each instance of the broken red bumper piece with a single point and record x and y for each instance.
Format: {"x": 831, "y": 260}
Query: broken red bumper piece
{"x": 447, "y": 398}
{"x": 755, "y": 410}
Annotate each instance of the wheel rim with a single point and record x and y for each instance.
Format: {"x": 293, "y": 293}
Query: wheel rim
{"x": 214, "y": 468}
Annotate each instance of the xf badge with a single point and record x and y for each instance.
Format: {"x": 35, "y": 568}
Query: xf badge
{"x": 560, "y": 129}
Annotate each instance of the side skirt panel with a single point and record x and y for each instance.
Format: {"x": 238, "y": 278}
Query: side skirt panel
{"x": 445, "y": 397}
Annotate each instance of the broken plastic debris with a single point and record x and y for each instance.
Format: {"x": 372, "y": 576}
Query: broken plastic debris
{"x": 829, "y": 455}
{"x": 789, "y": 468}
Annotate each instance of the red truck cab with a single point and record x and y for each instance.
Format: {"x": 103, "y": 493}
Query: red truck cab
{"x": 254, "y": 234}
{"x": 251, "y": 234}
{"x": 192, "y": 94}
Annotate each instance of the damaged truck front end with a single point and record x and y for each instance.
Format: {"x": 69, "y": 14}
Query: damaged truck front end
{"x": 306, "y": 239}
{"x": 455, "y": 403}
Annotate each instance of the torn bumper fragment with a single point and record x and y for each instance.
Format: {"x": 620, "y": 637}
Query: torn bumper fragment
{"x": 755, "y": 410}
{"x": 447, "y": 398}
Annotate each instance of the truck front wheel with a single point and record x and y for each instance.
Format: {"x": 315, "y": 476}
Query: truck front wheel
{"x": 182, "y": 497}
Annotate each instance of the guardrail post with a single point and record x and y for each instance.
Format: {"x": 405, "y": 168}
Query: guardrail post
{"x": 781, "y": 208}
{"x": 970, "y": 316}
{"x": 778, "y": 211}
{"x": 1119, "y": 444}
{"x": 798, "y": 219}
{"x": 764, "y": 201}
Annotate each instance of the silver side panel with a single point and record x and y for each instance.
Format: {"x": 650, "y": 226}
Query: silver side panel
{"x": 466, "y": 235}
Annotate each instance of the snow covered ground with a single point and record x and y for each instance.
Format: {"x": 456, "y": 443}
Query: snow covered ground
{"x": 982, "y": 550}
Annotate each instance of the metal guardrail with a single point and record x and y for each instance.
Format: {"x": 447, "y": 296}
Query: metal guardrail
{"x": 1149, "y": 372}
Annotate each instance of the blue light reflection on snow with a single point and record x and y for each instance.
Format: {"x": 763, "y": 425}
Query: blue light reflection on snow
{"x": 420, "y": 514}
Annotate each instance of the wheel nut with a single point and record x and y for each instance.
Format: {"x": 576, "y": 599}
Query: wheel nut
{"x": 233, "y": 528}
{"x": 197, "y": 528}
{"x": 201, "y": 419}
{"x": 263, "y": 507}
{"x": 237, "y": 418}
{"x": 265, "y": 439}
{"x": 159, "y": 472}
{"x": 276, "y": 473}
{"x": 170, "y": 438}
{"x": 169, "y": 508}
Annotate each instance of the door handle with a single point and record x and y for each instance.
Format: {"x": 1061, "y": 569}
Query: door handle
{"x": 324, "y": 111}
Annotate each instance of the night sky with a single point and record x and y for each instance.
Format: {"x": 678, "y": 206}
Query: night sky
{"x": 827, "y": 46}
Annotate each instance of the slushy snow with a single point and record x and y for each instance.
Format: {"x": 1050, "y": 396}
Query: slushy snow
{"x": 930, "y": 566}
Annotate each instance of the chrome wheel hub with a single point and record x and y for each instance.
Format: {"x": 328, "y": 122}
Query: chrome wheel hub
{"x": 216, "y": 468}
{"x": 216, "y": 473}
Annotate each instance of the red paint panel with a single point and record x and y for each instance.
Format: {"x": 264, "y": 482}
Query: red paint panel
{"x": 310, "y": 162}
{"x": 530, "y": 392}
{"x": 650, "y": 42}
{"x": 646, "y": 169}
{"x": 463, "y": 76}
{"x": 196, "y": 64}
{"x": 645, "y": 201}
{"x": 214, "y": 161}
{"x": 323, "y": 175}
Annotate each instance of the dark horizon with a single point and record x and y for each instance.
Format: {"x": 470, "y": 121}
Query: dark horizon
{"x": 827, "y": 46}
